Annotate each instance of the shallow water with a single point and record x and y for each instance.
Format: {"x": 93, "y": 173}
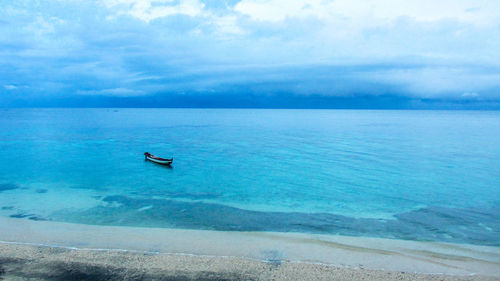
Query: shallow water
{"x": 419, "y": 175}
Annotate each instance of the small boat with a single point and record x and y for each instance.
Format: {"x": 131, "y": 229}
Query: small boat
{"x": 157, "y": 159}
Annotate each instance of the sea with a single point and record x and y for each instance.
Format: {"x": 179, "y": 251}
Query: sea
{"x": 398, "y": 174}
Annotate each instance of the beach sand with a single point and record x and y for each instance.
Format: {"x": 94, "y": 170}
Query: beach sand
{"x": 43, "y": 250}
{"x": 27, "y": 262}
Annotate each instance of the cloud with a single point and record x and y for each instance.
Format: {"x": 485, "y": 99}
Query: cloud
{"x": 148, "y": 48}
{"x": 148, "y": 10}
{"x": 440, "y": 81}
{"x": 118, "y": 92}
{"x": 470, "y": 95}
{"x": 228, "y": 25}
{"x": 369, "y": 12}
{"x": 10, "y": 87}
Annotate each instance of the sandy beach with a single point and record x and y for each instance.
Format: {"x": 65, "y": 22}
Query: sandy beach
{"x": 27, "y": 262}
{"x": 63, "y": 251}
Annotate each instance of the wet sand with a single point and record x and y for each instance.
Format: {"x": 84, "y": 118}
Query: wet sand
{"x": 63, "y": 251}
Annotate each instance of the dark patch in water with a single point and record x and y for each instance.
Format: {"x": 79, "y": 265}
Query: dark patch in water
{"x": 428, "y": 224}
{"x": 453, "y": 224}
{"x": 8, "y": 186}
{"x": 19, "y": 216}
{"x": 98, "y": 188}
{"x": 32, "y": 217}
{"x": 8, "y": 208}
{"x": 41, "y": 191}
{"x": 36, "y": 218}
{"x": 187, "y": 195}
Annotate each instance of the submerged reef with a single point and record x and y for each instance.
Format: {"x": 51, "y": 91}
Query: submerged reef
{"x": 8, "y": 186}
{"x": 425, "y": 224}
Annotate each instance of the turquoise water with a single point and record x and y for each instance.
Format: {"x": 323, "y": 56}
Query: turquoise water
{"x": 419, "y": 175}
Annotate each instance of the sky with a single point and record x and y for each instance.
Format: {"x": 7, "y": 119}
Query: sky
{"x": 251, "y": 53}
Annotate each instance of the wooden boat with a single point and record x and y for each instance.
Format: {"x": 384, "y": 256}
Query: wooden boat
{"x": 157, "y": 159}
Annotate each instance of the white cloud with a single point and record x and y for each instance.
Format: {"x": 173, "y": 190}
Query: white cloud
{"x": 470, "y": 95}
{"x": 148, "y": 10}
{"x": 228, "y": 25}
{"x": 478, "y": 12}
{"x": 438, "y": 81}
{"x": 119, "y": 92}
{"x": 10, "y": 87}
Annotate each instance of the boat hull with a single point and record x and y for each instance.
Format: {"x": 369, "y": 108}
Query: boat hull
{"x": 162, "y": 162}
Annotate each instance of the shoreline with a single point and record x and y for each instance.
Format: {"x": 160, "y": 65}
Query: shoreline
{"x": 298, "y": 251}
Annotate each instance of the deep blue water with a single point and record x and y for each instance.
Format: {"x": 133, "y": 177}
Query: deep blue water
{"x": 420, "y": 175}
